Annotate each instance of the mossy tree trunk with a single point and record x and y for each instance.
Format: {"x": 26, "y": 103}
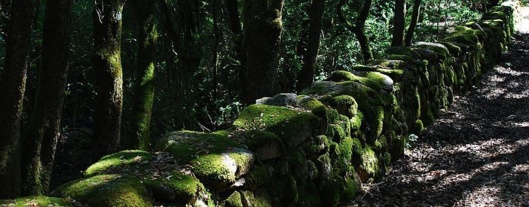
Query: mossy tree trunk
{"x": 144, "y": 93}
{"x": 41, "y": 138}
{"x": 12, "y": 88}
{"x": 358, "y": 27}
{"x": 232, "y": 10}
{"x": 399, "y": 21}
{"x": 109, "y": 81}
{"x": 413, "y": 23}
{"x": 306, "y": 75}
{"x": 262, "y": 38}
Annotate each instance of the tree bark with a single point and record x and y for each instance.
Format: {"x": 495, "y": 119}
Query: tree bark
{"x": 306, "y": 75}
{"x": 144, "y": 95}
{"x": 41, "y": 138}
{"x": 413, "y": 22}
{"x": 109, "y": 81}
{"x": 12, "y": 88}
{"x": 262, "y": 38}
{"x": 232, "y": 8}
{"x": 358, "y": 27}
{"x": 399, "y": 22}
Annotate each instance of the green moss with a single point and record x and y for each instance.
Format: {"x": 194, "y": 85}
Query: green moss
{"x": 345, "y": 105}
{"x": 38, "y": 201}
{"x": 369, "y": 161}
{"x": 234, "y": 200}
{"x": 341, "y": 75}
{"x": 185, "y": 146}
{"x": 175, "y": 187}
{"x": 386, "y": 158}
{"x": 223, "y": 168}
{"x": 254, "y": 199}
{"x": 356, "y": 121}
{"x": 352, "y": 186}
{"x": 418, "y": 126}
{"x": 318, "y": 145}
{"x": 311, "y": 104}
{"x": 293, "y": 127}
{"x": 284, "y": 189}
{"x": 372, "y": 79}
{"x": 336, "y": 132}
{"x": 265, "y": 144}
{"x": 466, "y": 35}
{"x": 257, "y": 177}
{"x": 346, "y": 152}
{"x": 118, "y": 160}
{"x": 106, "y": 190}
{"x": 381, "y": 144}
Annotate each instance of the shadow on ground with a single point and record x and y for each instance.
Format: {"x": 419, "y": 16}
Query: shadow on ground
{"x": 476, "y": 154}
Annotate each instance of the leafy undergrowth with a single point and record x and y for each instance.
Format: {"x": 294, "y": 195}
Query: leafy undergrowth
{"x": 476, "y": 154}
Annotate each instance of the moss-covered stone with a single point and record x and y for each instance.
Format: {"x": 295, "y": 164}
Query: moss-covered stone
{"x": 381, "y": 144}
{"x": 345, "y": 105}
{"x": 309, "y": 196}
{"x": 176, "y": 187}
{"x": 292, "y": 126}
{"x": 372, "y": 79}
{"x": 284, "y": 189}
{"x": 117, "y": 160}
{"x": 257, "y": 177}
{"x": 234, "y": 200}
{"x": 188, "y": 145}
{"x": 39, "y": 201}
{"x": 106, "y": 190}
{"x": 266, "y": 145}
{"x": 317, "y": 146}
{"x": 223, "y": 168}
{"x": 370, "y": 164}
{"x": 259, "y": 198}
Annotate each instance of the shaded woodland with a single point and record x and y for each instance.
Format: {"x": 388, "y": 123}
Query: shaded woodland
{"x": 82, "y": 79}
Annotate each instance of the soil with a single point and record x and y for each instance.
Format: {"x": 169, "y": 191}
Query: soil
{"x": 477, "y": 152}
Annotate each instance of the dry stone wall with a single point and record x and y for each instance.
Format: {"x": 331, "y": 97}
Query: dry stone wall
{"x": 308, "y": 149}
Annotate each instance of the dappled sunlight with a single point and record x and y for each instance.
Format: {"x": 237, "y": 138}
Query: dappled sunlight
{"x": 522, "y": 23}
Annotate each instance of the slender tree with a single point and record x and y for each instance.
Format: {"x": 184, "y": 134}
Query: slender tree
{"x": 399, "y": 21}
{"x": 146, "y": 56}
{"x": 232, "y": 11}
{"x": 12, "y": 88}
{"x": 262, "y": 38}
{"x": 41, "y": 138}
{"x": 109, "y": 81}
{"x": 413, "y": 22}
{"x": 358, "y": 27}
{"x": 306, "y": 75}
{"x": 189, "y": 49}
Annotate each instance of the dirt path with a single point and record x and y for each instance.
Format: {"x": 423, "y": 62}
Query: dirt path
{"x": 477, "y": 153}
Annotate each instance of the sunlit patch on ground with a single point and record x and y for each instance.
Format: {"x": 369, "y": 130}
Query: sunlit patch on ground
{"x": 477, "y": 152}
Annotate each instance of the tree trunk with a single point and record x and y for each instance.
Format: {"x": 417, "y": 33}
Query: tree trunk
{"x": 358, "y": 27}
{"x": 413, "y": 22}
{"x": 262, "y": 38}
{"x": 144, "y": 95}
{"x": 41, "y": 138}
{"x": 109, "y": 81}
{"x": 399, "y": 21}
{"x": 189, "y": 50}
{"x": 232, "y": 9}
{"x": 306, "y": 75}
{"x": 12, "y": 88}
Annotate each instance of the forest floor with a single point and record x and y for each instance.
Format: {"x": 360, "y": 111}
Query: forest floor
{"x": 477, "y": 152}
